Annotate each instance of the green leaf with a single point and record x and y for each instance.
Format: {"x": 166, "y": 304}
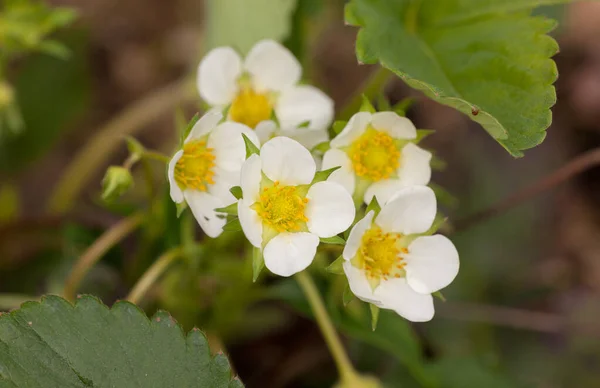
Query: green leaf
{"x": 335, "y": 240}
{"x": 490, "y": 60}
{"x": 366, "y": 105}
{"x": 337, "y": 267}
{"x": 231, "y": 209}
{"x": 373, "y": 205}
{"x": 236, "y": 191}
{"x": 251, "y": 148}
{"x": 323, "y": 175}
{"x": 374, "y": 316}
{"x": 233, "y": 226}
{"x": 258, "y": 263}
{"x": 89, "y": 344}
{"x": 242, "y": 23}
{"x": 338, "y": 126}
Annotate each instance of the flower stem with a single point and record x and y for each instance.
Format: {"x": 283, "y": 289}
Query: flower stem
{"x": 345, "y": 368}
{"x": 152, "y": 274}
{"x": 154, "y": 155}
{"x": 370, "y": 88}
{"x": 97, "y": 250}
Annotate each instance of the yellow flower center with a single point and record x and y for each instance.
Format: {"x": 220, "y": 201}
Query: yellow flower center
{"x": 380, "y": 255}
{"x": 282, "y": 208}
{"x": 250, "y": 107}
{"x": 194, "y": 169}
{"x": 374, "y": 155}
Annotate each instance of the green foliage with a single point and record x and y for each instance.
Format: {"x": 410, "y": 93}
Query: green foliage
{"x": 373, "y": 205}
{"x": 374, "y": 316}
{"x": 337, "y": 267}
{"x": 258, "y": 263}
{"x": 117, "y": 181}
{"x": 366, "y": 105}
{"x": 488, "y": 59}
{"x": 55, "y": 344}
{"x": 236, "y": 191}
{"x": 335, "y": 240}
{"x": 251, "y": 149}
{"x": 338, "y": 126}
{"x": 242, "y": 23}
{"x": 321, "y": 176}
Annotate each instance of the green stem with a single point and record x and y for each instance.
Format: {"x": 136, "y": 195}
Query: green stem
{"x": 345, "y": 368}
{"x": 370, "y": 88}
{"x": 153, "y": 155}
{"x": 97, "y": 250}
{"x": 152, "y": 274}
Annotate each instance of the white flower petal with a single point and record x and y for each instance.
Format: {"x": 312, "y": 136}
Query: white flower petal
{"x": 250, "y": 178}
{"x": 218, "y": 74}
{"x": 265, "y": 130}
{"x": 356, "y": 234}
{"x": 344, "y": 175}
{"x": 272, "y": 66}
{"x": 174, "y": 189}
{"x": 384, "y": 190}
{"x": 205, "y": 124}
{"x": 396, "y": 294}
{"x": 304, "y": 103}
{"x": 251, "y": 223}
{"x": 228, "y": 145}
{"x": 394, "y": 125}
{"x": 224, "y": 181}
{"x": 287, "y": 161}
{"x": 290, "y": 253}
{"x": 355, "y": 127}
{"x": 203, "y": 207}
{"x": 330, "y": 209}
{"x": 412, "y": 210}
{"x": 431, "y": 264}
{"x": 415, "y": 168}
{"x": 359, "y": 285}
{"x": 306, "y": 136}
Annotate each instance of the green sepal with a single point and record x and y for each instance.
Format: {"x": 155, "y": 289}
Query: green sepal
{"x": 438, "y": 221}
{"x": 136, "y": 149}
{"x": 437, "y": 164}
{"x": 422, "y": 134}
{"x": 304, "y": 124}
{"x": 403, "y": 106}
{"x": 439, "y": 295}
{"x": 337, "y": 267}
{"x": 258, "y": 263}
{"x": 236, "y": 191}
{"x": 233, "y": 226}
{"x": 321, "y": 147}
{"x": 374, "y": 316}
{"x": 366, "y": 105}
{"x": 251, "y": 148}
{"x": 383, "y": 104}
{"x": 338, "y": 126}
{"x": 185, "y": 128}
{"x": 373, "y": 205}
{"x": 347, "y": 296}
{"x": 180, "y": 208}
{"x": 323, "y": 175}
{"x": 231, "y": 209}
{"x": 335, "y": 240}
{"x": 444, "y": 196}
{"x": 116, "y": 182}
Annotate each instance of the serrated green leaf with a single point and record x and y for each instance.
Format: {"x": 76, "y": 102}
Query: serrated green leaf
{"x": 233, "y": 226}
{"x": 489, "y": 60}
{"x": 89, "y": 344}
{"x": 366, "y": 105}
{"x": 242, "y": 23}
{"x": 231, "y": 209}
{"x": 337, "y": 267}
{"x": 347, "y": 296}
{"x": 323, "y": 175}
{"x": 335, "y": 240}
{"x": 373, "y": 205}
{"x": 258, "y": 263}
{"x": 338, "y": 126}
{"x": 374, "y": 316}
{"x": 236, "y": 191}
{"x": 251, "y": 148}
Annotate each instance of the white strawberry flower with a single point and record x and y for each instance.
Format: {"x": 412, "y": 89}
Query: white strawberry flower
{"x": 377, "y": 157}
{"x": 282, "y": 212}
{"x": 263, "y": 84}
{"x": 389, "y": 263}
{"x": 207, "y": 167}
{"x": 308, "y": 137}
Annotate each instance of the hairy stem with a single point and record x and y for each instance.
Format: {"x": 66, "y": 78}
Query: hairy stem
{"x": 370, "y": 88}
{"x": 345, "y": 368}
{"x": 581, "y": 163}
{"x": 98, "y": 149}
{"x": 152, "y": 274}
{"x": 97, "y": 250}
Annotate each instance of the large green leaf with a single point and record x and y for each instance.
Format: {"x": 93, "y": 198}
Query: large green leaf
{"x": 55, "y": 344}
{"x": 490, "y": 59}
{"x": 242, "y": 23}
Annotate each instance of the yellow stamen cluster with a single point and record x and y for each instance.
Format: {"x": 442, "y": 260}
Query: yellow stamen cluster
{"x": 194, "y": 170}
{"x": 250, "y": 107}
{"x": 380, "y": 255}
{"x": 374, "y": 155}
{"x": 282, "y": 208}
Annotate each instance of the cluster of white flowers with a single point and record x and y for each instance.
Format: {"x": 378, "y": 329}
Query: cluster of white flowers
{"x": 390, "y": 259}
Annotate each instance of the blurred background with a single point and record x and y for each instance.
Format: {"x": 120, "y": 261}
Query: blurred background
{"x": 523, "y": 312}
